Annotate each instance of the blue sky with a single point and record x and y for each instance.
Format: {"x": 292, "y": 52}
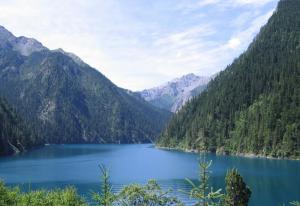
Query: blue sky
{"x": 142, "y": 43}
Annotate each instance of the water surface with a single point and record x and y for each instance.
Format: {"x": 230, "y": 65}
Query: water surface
{"x": 272, "y": 181}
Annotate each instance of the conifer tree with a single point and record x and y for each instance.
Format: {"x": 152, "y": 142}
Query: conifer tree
{"x": 205, "y": 194}
{"x": 106, "y": 197}
{"x": 237, "y": 192}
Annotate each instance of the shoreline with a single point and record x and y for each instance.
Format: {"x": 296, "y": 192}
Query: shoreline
{"x": 246, "y": 155}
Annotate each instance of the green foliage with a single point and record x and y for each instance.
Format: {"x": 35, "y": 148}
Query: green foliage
{"x": 133, "y": 195}
{"x": 237, "y": 192}
{"x": 147, "y": 195}
{"x": 204, "y": 194}
{"x": 151, "y": 194}
{"x": 253, "y": 106}
{"x": 15, "y": 134}
{"x": 8, "y": 197}
{"x": 106, "y": 197}
{"x": 65, "y": 197}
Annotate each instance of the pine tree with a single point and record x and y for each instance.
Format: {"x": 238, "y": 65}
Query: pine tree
{"x": 205, "y": 195}
{"x": 237, "y": 192}
{"x": 106, "y": 197}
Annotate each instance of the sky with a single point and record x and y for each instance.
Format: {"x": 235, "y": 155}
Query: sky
{"x": 140, "y": 44}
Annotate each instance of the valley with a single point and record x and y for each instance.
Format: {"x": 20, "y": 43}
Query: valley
{"x": 219, "y": 135}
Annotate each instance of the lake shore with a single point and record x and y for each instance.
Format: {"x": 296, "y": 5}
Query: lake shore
{"x": 247, "y": 155}
{"x": 58, "y": 166}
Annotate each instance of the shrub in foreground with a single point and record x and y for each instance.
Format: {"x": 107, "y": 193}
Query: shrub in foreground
{"x": 58, "y": 197}
{"x": 150, "y": 194}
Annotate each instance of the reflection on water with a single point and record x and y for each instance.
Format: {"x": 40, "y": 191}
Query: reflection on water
{"x": 271, "y": 181}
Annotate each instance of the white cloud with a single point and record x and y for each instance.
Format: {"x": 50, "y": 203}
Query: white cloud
{"x": 222, "y": 4}
{"x": 206, "y": 3}
{"x": 139, "y": 44}
{"x": 245, "y": 17}
{"x": 186, "y": 37}
{"x": 234, "y": 43}
{"x": 252, "y": 2}
{"x": 245, "y": 36}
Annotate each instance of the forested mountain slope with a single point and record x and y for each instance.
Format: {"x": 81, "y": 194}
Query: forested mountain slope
{"x": 253, "y": 106}
{"x": 67, "y": 100}
{"x": 15, "y": 135}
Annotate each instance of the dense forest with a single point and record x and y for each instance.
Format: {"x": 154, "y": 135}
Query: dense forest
{"x": 68, "y": 101}
{"x": 15, "y": 135}
{"x": 253, "y": 106}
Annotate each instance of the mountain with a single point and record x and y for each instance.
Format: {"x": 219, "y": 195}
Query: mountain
{"x": 68, "y": 101}
{"x": 24, "y": 46}
{"x": 174, "y": 94}
{"x": 15, "y": 135}
{"x": 253, "y": 106}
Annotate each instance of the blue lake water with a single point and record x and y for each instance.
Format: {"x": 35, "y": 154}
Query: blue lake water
{"x": 272, "y": 182}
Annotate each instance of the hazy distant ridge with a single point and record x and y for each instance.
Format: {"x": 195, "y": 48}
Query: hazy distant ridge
{"x": 174, "y": 94}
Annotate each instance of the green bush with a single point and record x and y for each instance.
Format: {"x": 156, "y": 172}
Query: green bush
{"x": 149, "y": 194}
{"x": 58, "y": 197}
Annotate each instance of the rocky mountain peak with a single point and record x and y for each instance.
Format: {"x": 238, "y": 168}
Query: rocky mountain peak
{"x": 24, "y": 45}
{"x": 27, "y": 46}
{"x": 75, "y": 58}
{"x": 175, "y": 93}
{"x": 5, "y": 35}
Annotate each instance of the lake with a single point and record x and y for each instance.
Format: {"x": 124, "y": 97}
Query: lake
{"x": 272, "y": 181}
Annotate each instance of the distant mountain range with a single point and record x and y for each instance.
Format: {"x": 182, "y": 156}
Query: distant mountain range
{"x": 174, "y": 94}
{"x": 67, "y": 101}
